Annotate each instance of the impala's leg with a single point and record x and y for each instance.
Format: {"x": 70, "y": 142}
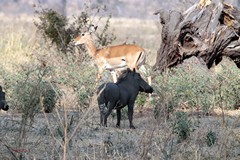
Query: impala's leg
{"x": 118, "y": 118}
{"x": 114, "y": 76}
{"x": 100, "y": 72}
{"x": 149, "y": 80}
{"x": 102, "y": 76}
{"x": 130, "y": 115}
{"x": 146, "y": 73}
{"x": 143, "y": 69}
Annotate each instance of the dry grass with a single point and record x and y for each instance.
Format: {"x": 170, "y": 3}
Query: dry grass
{"x": 18, "y": 41}
{"x": 153, "y": 139}
{"x": 75, "y": 131}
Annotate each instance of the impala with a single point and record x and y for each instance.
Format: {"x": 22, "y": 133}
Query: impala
{"x": 112, "y": 57}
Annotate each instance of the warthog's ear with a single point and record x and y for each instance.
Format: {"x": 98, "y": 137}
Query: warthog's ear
{"x": 92, "y": 28}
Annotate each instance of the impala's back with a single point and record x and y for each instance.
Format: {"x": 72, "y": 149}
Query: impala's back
{"x": 112, "y": 57}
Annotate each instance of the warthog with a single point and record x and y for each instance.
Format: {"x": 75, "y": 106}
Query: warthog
{"x": 118, "y": 95}
{"x": 3, "y": 104}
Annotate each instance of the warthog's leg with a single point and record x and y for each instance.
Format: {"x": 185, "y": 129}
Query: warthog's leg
{"x": 130, "y": 115}
{"x": 110, "y": 107}
{"x": 5, "y": 106}
{"x": 102, "y": 113}
{"x": 118, "y": 118}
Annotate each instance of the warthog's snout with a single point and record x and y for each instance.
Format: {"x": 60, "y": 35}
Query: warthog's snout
{"x": 149, "y": 90}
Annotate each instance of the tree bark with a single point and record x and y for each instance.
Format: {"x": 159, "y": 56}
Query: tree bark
{"x": 208, "y": 30}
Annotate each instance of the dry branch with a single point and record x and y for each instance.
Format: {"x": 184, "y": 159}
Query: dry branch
{"x": 208, "y": 30}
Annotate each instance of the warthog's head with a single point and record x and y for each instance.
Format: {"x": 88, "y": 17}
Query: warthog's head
{"x": 3, "y": 104}
{"x": 143, "y": 85}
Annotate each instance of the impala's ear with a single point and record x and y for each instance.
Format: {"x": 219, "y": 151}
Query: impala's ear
{"x": 92, "y": 28}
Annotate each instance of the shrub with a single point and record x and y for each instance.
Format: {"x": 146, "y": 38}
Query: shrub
{"x": 26, "y": 87}
{"x": 105, "y": 38}
{"x": 195, "y": 87}
{"x": 182, "y": 126}
{"x": 53, "y": 26}
{"x": 227, "y": 88}
{"x": 60, "y": 30}
{"x": 141, "y": 99}
{"x": 30, "y": 89}
{"x": 49, "y": 96}
{"x": 211, "y": 138}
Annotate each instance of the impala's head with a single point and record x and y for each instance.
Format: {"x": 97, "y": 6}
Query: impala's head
{"x": 85, "y": 36}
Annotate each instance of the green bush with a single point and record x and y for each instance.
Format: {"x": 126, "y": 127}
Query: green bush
{"x": 78, "y": 73}
{"x": 227, "y": 87}
{"x": 49, "y": 96}
{"x": 211, "y": 138}
{"x": 28, "y": 87}
{"x": 60, "y": 30}
{"x": 199, "y": 88}
{"x": 182, "y": 126}
{"x": 54, "y": 27}
{"x": 28, "y": 92}
{"x": 105, "y": 38}
{"x": 141, "y": 99}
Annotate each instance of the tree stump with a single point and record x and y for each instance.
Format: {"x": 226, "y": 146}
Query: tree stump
{"x": 208, "y": 30}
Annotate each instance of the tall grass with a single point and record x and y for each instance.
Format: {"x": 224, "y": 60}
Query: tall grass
{"x": 30, "y": 69}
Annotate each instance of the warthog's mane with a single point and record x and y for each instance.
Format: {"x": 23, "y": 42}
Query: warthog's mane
{"x": 123, "y": 75}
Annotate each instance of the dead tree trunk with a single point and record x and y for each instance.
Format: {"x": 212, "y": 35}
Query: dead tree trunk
{"x": 208, "y": 30}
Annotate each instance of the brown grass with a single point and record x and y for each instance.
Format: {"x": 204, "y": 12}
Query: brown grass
{"x": 153, "y": 139}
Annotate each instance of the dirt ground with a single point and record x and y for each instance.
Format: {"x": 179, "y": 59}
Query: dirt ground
{"x": 152, "y": 139}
